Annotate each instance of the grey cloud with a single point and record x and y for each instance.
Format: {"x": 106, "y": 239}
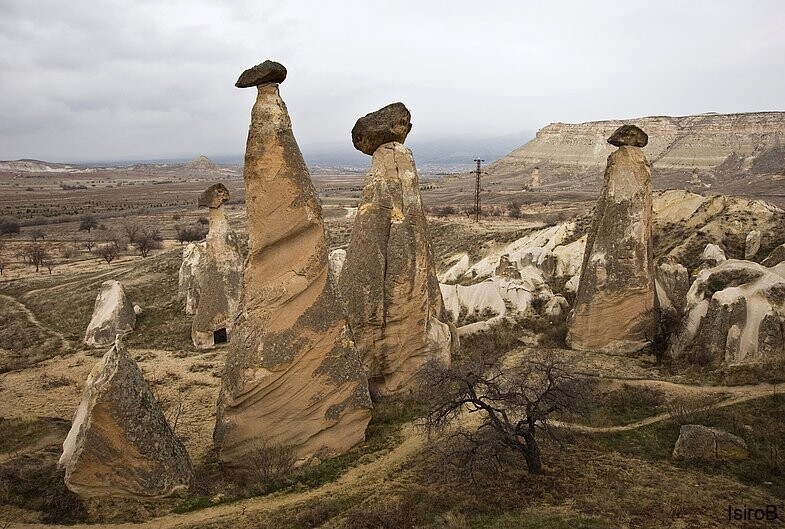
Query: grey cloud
{"x": 123, "y": 78}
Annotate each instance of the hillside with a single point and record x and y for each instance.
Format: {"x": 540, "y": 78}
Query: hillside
{"x": 725, "y": 153}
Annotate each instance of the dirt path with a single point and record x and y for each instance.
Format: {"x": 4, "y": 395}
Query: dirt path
{"x": 358, "y": 479}
{"x": 32, "y": 319}
{"x": 366, "y": 477}
{"x": 740, "y": 394}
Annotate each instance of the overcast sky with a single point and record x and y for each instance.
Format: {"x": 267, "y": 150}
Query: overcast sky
{"x": 128, "y": 79}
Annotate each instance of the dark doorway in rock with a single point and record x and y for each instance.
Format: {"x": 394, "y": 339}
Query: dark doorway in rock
{"x": 220, "y": 336}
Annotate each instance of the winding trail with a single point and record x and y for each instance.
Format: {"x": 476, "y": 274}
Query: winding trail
{"x": 366, "y": 477}
{"x": 64, "y": 344}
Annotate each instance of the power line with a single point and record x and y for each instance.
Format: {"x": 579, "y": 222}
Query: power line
{"x": 477, "y": 173}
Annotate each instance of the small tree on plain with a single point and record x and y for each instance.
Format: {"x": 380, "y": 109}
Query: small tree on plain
{"x": 36, "y": 254}
{"x": 148, "y": 239}
{"x": 108, "y": 252}
{"x": 9, "y": 226}
{"x": 88, "y": 222}
{"x": 132, "y": 229}
{"x": 36, "y": 234}
{"x": 514, "y": 403}
{"x": 89, "y": 243}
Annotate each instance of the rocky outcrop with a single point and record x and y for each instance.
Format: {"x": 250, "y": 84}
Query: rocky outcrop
{"x": 776, "y": 256}
{"x": 712, "y": 255}
{"x": 613, "y": 310}
{"x": 389, "y": 124}
{"x": 293, "y": 377}
{"x": 388, "y": 282}
{"x": 722, "y": 147}
{"x": 211, "y": 275}
{"x": 113, "y": 315}
{"x": 701, "y": 443}
{"x": 120, "y": 443}
{"x": 201, "y": 164}
{"x": 337, "y": 259}
{"x": 752, "y": 244}
{"x": 672, "y": 281}
{"x": 735, "y": 313}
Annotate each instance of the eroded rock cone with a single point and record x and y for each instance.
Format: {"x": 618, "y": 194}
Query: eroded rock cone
{"x": 120, "y": 443}
{"x": 293, "y": 377}
{"x": 388, "y": 124}
{"x": 613, "y": 309}
{"x": 388, "y": 282}
{"x": 216, "y": 269}
{"x": 113, "y": 315}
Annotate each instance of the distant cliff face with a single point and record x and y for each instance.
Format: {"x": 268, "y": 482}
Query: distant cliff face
{"x": 702, "y": 151}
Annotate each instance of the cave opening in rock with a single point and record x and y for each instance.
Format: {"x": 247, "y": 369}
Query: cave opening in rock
{"x": 220, "y": 336}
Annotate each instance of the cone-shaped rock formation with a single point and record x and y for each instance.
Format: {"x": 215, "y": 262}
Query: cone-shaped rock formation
{"x": 113, "y": 315}
{"x": 613, "y": 309}
{"x": 293, "y": 377}
{"x": 120, "y": 443}
{"x": 388, "y": 282}
{"x": 211, "y": 274}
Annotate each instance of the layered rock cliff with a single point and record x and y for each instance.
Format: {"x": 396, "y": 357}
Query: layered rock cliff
{"x": 720, "y": 149}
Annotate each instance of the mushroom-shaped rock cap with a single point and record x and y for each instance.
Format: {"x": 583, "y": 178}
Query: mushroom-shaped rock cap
{"x": 214, "y": 196}
{"x": 629, "y": 135}
{"x": 391, "y": 123}
{"x": 267, "y": 72}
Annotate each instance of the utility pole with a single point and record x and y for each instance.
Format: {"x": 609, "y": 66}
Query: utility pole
{"x": 477, "y": 173}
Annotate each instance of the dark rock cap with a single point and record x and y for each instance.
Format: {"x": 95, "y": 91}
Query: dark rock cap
{"x": 267, "y": 72}
{"x": 214, "y": 196}
{"x": 391, "y": 123}
{"x": 629, "y": 135}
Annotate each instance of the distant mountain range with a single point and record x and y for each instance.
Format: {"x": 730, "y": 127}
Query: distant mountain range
{"x": 437, "y": 155}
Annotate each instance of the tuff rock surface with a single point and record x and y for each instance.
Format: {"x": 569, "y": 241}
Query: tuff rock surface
{"x": 113, "y": 315}
{"x": 293, "y": 376}
{"x": 672, "y": 281}
{"x": 388, "y": 282}
{"x": 120, "y": 443}
{"x": 337, "y": 259}
{"x": 735, "y": 313}
{"x": 389, "y": 124}
{"x": 613, "y": 309}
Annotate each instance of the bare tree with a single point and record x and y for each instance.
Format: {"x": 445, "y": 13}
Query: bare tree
{"x": 132, "y": 229}
{"x": 190, "y": 233}
{"x": 36, "y": 234}
{"x": 49, "y": 263}
{"x": 108, "y": 252}
{"x": 659, "y": 324}
{"x": 514, "y": 403}
{"x": 89, "y": 243}
{"x": 147, "y": 240}
{"x": 36, "y": 255}
{"x": 88, "y": 222}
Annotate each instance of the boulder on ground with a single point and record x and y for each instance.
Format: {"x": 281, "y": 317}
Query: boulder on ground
{"x": 120, "y": 443}
{"x": 735, "y": 313}
{"x": 293, "y": 377}
{"x": 613, "y": 309}
{"x": 556, "y": 309}
{"x": 389, "y": 124}
{"x": 113, "y": 315}
{"x": 389, "y": 283}
{"x": 701, "y": 443}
